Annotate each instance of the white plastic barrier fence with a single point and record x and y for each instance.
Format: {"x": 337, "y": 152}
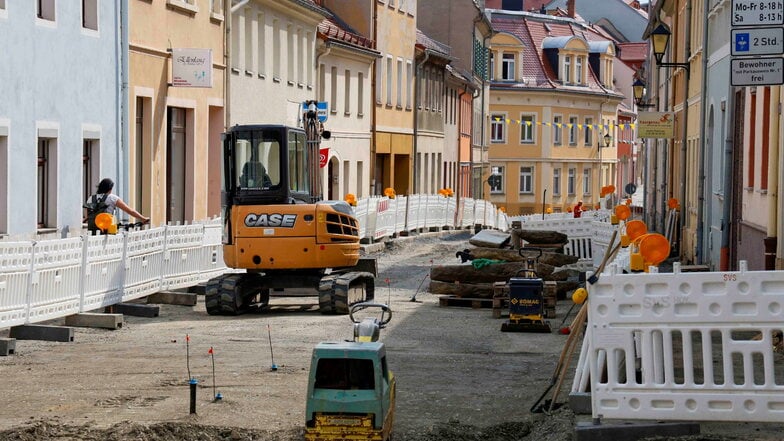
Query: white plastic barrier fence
{"x": 47, "y": 279}
{"x": 51, "y": 278}
{"x": 580, "y": 232}
{"x": 686, "y": 346}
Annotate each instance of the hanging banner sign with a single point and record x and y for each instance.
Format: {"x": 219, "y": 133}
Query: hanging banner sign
{"x": 656, "y": 125}
{"x": 192, "y": 67}
{"x": 323, "y": 155}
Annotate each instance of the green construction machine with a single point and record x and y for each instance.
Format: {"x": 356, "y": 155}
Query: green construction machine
{"x": 351, "y": 391}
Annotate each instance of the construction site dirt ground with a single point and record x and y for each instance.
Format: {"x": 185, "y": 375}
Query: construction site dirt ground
{"x": 458, "y": 377}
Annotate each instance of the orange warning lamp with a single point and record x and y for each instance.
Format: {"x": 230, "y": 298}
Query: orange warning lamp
{"x": 106, "y": 223}
{"x": 610, "y": 189}
{"x": 654, "y": 248}
{"x": 648, "y": 249}
{"x": 621, "y": 212}
{"x": 673, "y": 203}
{"x": 634, "y": 229}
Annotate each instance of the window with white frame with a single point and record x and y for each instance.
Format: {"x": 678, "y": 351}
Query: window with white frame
{"x": 496, "y": 179}
{"x": 567, "y": 69}
{"x": 399, "y": 83}
{"x": 216, "y": 7}
{"x": 573, "y": 130}
{"x": 491, "y": 76}
{"x": 526, "y": 180}
{"x": 347, "y": 92}
{"x": 409, "y": 83}
{"x": 508, "y": 67}
{"x": 299, "y": 59}
{"x": 497, "y": 128}
{"x": 309, "y": 58}
{"x": 261, "y": 35}
{"x": 527, "y": 125}
{"x": 235, "y": 42}
{"x": 578, "y": 70}
{"x": 360, "y": 93}
{"x": 557, "y": 129}
{"x": 276, "y": 43}
{"x": 45, "y": 9}
{"x": 570, "y": 182}
{"x": 47, "y": 183}
{"x": 389, "y": 80}
{"x": 290, "y": 57}
{"x": 586, "y": 181}
{"x": 90, "y": 14}
{"x": 333, "y": 90}
{"x": 588, "y": 134}
{"x": 248, "y": 40}
{"x": 556, "y": 181}
{"x": 379, "y": 75}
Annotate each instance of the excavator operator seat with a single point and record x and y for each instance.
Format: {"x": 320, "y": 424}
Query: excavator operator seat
{"x": 254, "y": 175}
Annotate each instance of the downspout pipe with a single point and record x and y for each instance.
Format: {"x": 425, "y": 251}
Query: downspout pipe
{"x": 417, "y": 88}
{"x": 773, "y": 181}
{"x": 123, "y": 156}
{"x": 700, "y": 252}
{"x": 373, "y": 107}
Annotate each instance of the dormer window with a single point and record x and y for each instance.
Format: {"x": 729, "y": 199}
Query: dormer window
{"x": 508, "y": 67}
{"x": 567, "y": 74}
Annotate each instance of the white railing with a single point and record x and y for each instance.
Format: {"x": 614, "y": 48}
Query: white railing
{"x": 587, "y": 236}
{"x": 685, "y": 346}
{"x": 47, "y": 278}
{"x": 382, "y": 217}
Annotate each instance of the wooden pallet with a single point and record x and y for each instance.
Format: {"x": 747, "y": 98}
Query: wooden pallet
{"x": 465, "y": 302}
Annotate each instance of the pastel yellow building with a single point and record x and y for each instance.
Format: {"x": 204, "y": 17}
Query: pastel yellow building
{"x": 174, "y": 131}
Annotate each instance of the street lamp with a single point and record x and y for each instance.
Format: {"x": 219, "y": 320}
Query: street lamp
{"x": 660, "y": 37}
{"x": 639, "y": 94}
{"x": 494, "y": 178}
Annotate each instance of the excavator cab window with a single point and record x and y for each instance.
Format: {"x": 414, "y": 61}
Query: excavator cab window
{"x": 257, "y": 160}
{"x": 299, "y": 179}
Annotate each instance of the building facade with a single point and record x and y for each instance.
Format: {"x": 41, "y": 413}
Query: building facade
{"x": 344, "y": 60}
{"x": 553, "y": 113}
{"x": 173, "y": 155}
{"x": 61, "y": 112}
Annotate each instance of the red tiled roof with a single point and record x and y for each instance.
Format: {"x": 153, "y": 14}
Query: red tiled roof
{"x": 637, "y": 51}
{"x": 331, "y": 29}
{"x": 537, "y": 69}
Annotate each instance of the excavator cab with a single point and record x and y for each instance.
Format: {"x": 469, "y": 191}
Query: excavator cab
{"x": 267, "y": 164}
{"x": 277, "y": 228}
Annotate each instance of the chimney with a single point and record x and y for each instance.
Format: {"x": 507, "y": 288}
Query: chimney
{"x": 570, "y": 8}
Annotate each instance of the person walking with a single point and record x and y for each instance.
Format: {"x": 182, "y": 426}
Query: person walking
{"x": 578, "y": 209}
{"x": 106, "y": 202}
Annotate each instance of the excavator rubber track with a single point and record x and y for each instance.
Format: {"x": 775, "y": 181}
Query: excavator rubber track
{"x": 337, "y": 292}
{"x": 230, "y": 294}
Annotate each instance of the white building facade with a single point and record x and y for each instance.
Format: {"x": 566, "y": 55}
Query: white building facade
{"x": 60, "y": 112}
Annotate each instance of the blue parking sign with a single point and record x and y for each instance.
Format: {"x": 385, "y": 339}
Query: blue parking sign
{"x": 742, "y": 42}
